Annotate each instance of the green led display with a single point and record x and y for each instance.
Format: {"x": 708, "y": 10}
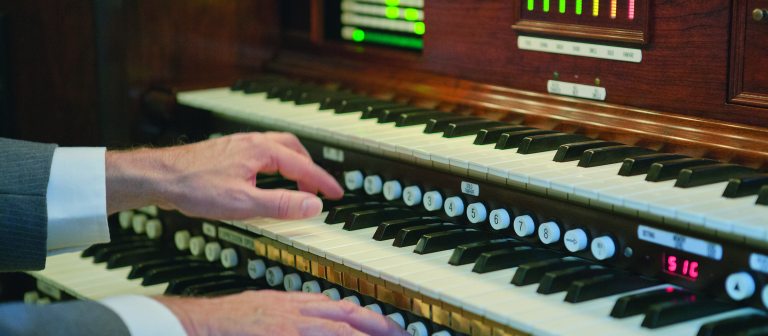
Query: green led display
{"x": 411, "y": 14}
{"x": 392, "y": 12}
{"x": 418, "y": 28}
{"x": 530, "y": 5}
{"x": 561, "y": 8}
{"x": 545, "y": 7}
{"x": 358, "y": 35}
{"x": 389, "y": 39}
{"x": 392, "y": 2}
{"x": 578, "y": 7}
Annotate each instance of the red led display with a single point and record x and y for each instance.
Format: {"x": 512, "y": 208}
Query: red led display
{"x": 683, "y": 267}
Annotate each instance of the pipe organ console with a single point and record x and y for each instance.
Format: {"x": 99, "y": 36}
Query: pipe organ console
{"x": 546, "y": 167}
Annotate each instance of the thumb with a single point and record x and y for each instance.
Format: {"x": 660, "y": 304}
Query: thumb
{"x": 285, "y": 204}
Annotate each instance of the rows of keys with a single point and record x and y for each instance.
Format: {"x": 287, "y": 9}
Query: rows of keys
{"x": 446, "y": 141}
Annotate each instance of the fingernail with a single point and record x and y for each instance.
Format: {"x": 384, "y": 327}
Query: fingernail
{"x": 311, "y": 206}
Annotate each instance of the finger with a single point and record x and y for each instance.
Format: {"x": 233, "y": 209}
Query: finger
{"x": 288, "y": 140}
{"x": 362, "y": 319}
{"x": 311, "y": 326}
{"x": 304, "y": 297}
{"x": 300, "y": 169}
{"x": 285, "y": 204}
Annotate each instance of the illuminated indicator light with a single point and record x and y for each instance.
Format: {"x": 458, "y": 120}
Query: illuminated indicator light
{"x": 578, "y": 7}
{"x": 631, "y": 14}
{"x": 670, "y": 289}
{"x": 686, "y": 268}
{"x": 392, "y": 12}
{"x": 411, "y": 14}
{"x": 418, "y": 28}
{"x": 595, "y": 7}
{"x": 392, "y": 2}
{"x": 358, "y": 35}
{"x": 561, "y": 8}
{"x": 545, "y": 6}
{"x": 530, "y": 5}
{"x": 613, "y": 8}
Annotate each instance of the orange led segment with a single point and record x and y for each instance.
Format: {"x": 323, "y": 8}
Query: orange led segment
{"x": 613, "y": 8}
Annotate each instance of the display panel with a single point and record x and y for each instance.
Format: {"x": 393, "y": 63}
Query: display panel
{"x": 395, "y": 23}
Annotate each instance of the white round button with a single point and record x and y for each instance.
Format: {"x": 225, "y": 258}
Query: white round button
{"x": 392, "y": 190}
{"x": 524, "y": 225}
{"x": 154, "y": 229}
{"x": 417, "y": 329}
{"x": 353, "y": 180}
{"x": 375, "y": 308}
{"x": 442, "y": 333}
{"x": 311, "y": 286}
{"x": 454, "y": 206}
{"x": 212, "y": 251}
{"x": 274, "y": 276}
{"x": 181, "y": 239}
{"x": 575, "y": 240}
{"x": 549, "y": 232}
{"x": 139, "y": 222}
{"x": 352, "y": 299}
{"x": 197, "y": 245}
{"x": 397, "y": 318}
{"x": 740, "y": 286}
{"x": 124, "y": 219}
{"x": 228, "y": 257}
{"x": 603, "y": 248}
{"x": 372, "y": 184}
{"x": 476, "y": 212}
{"x": 764, "y": 296}
{"x": 433, "y": 200}
{"x": 412, "y": 195}
{"x": 292, "y": 282}
{"x": 332, "y": 293}
{"x": 256, "y": 268}
{"x": 500, "y": 219}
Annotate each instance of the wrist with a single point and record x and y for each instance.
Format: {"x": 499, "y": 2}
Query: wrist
{"x": 136, "y": 178}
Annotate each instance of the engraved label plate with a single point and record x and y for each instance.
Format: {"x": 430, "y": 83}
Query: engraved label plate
{"x": 333, "y": 154}
{"x": 680, "y": 242}
{"x": 470, "y": 188}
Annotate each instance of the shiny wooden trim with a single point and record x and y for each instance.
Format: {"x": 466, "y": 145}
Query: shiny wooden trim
{"x": 581, "y": 31}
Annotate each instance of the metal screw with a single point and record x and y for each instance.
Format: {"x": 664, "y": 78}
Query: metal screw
{"x": 628, "y": 252}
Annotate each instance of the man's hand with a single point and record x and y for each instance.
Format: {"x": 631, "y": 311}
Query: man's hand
{"x": 216, "y": 178}
{"x": 277, "y": 313}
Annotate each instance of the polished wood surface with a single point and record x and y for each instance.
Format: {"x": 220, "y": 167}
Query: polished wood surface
{"x": 749, "y": 77}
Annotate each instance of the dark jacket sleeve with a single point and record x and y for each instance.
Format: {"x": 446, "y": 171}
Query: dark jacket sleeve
{"x": 68, "y": 318}
{"x": 24, "y": 171}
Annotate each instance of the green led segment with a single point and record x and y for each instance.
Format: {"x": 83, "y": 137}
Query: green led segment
{"x": 578, "y": 7}
{"x": 358, "y": 35}
{"x": 392, "y": 2}
{"x": 545, "y": 7}
{"x": 411, "y": 14}
{"x": 419, "y": 28}
{"x": 561, "y": 8}
{"x": 530, "y": 5}
{"x": 392, "y": 12}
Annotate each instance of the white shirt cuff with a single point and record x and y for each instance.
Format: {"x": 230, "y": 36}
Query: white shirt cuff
{"x": 77, "y": 199}
{"x": 144, "y": 316}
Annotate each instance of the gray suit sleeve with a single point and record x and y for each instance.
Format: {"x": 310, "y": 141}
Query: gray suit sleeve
{"x": 69, "y": 318}
{"x": 24, "y": 171}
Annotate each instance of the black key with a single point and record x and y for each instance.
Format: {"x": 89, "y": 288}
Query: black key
{"x": 91, "y": 250}
{"x": 176, "y": 287}
{"x": 277, "y": 89}
{"x": 357, "y": 104}
{"x": 558, "y": 281}
{"x": 531, "y": 273}
{"x": 513, "y": 139}
{"x": 240, "y": 84}
{"x": 755, "y": 331}
{"x": 277, "y": 184}
{"x": 605, "y": 285}
{"x": 745, "y": 186}
{"x": 328, "y": 204}
{"x": 319, "y": 97}
{"x": 419, "y": 117}
{"x": 106, "y": 252}
{"x": 492, "y": 134}
{"x": 510, "y": 257}
{"x": 547, "y": 142}
{"x": 612, "y": 154}
{"x": 295, "y": 92}
{"x": 133, "y": 257}
{"x": 389, "y": 229}
{"x": 393, "y": 114}
{"x": 334, "y": 101}
{"x": 340, "y": 213}
{"x": 640, "y": 164}
{"x": 411, "y": 235}
{"x": 468, "y": 253}
{"x": 669, "y": 170}
{"x": 166, "y": 274}
{"x": 436, "y": 125}
{"x": 265, "y": 85}
{"x": 733, "y": 325}
{"x": 138, "y": 270}
{"x": 370, "y": 218}
{"x": 634, "y": 304}
{"x": 762, "y": 197}
{"x": 703, "y": 175}
{"x": 226, "y": 284}
{"x": 469, "y": 127}
{"x": 573, "y": 151}
{"x": 664, "y": 314}
{"x": 375, "y": 110}
{"x": 441, "y": 241}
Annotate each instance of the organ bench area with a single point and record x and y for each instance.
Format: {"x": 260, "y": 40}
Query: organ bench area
{"x": 542, "y": 167}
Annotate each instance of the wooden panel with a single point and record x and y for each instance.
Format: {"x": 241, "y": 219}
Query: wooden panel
{"x": 749, "y": 77}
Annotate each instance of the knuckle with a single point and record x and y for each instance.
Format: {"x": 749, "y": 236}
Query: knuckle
{"x": 343, "y": 329}
{"x": 283, "y": 205}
